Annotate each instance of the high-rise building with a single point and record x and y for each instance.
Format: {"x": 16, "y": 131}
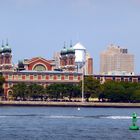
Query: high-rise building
{"x": 88, "y": 64}
{"x": 116, "y": 60}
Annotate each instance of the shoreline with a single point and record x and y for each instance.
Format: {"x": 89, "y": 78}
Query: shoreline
{"x": 70, "y": 104}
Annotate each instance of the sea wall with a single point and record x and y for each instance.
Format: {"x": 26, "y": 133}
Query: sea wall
{"x": 69, "y": 104}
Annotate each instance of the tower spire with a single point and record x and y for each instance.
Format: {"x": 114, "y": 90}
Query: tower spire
{"x": 7, "y": 42}
{"x": 2, "y": 44}
{"x": 70, "y": 43}
{"x": 64, "y": 45}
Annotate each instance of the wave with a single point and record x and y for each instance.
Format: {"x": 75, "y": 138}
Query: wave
{"x": 118, "y": 117}
{"x": 42, "y": 115}
{"x": 64, "y": 117}
{"x": 19, "y": 115}
{"x": 67, "y": 116}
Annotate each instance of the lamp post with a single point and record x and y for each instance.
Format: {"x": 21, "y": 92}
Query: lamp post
{"x": 83, "y": 84}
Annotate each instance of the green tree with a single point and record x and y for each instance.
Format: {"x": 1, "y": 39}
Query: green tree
{"x": 114, "y": 91}
{"x": 92, "y": 87}
{"x": 56, "y": 91}
{"x": 2, "y": 80}
{"x": 19, "y": 91}
{"x": 136, "y": 96}
{"x": 25, "y": 92}
{"x": 53, "y": 91}
{"x": 35, "y": 91}
{"x": 72, "y": 91}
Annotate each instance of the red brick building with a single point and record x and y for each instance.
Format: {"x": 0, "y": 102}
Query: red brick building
{"x": 39, "y": 64}
{"x": 39, "y": 77}
{"x": 67, "y": 59}
{"x": 36, "y": 70}
{"x": 119, "y": 78}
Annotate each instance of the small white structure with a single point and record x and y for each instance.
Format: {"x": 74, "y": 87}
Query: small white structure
{"x": 80, "y": 55}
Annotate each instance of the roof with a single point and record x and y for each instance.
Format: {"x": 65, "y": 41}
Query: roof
{"x": 28, "y": 61}
{"x": 78, "y": 46}
{"x": 42, "y": 72}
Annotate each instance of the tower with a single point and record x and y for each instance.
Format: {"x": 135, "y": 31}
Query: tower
{"x": 67, "y": 59}
{"x": 80, "y": 56}
{"x": 5, "y": 58}
{"x": 1, "y": 55}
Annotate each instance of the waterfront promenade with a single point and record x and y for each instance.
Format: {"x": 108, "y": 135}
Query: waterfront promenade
{"x": 69, "y": 104}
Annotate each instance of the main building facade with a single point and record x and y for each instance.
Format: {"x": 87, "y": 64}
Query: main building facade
{"x": 36, "y": 70}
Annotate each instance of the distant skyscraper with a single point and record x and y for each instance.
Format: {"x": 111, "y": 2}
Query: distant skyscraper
{"x": 88, "y": 64}
{"x": 116, "y": 60}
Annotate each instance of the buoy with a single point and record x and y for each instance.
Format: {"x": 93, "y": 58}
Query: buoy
{"x": 134, "y": 120}
{"x": 78, "y": 108}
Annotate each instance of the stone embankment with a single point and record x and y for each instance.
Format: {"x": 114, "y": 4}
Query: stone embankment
{"x": 69, "y": 104}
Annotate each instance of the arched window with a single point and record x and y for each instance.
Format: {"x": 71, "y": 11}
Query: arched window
{"x": 39, "y": 67}
{"x": 7, "y": 60}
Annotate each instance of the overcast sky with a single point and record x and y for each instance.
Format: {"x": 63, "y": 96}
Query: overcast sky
{"x": 40, "y": 27}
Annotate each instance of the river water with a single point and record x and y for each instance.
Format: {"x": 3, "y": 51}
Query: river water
{"x": 67, "y": 123}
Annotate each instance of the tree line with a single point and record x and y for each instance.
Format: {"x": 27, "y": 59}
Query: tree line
{"x": 109, "y": 91}
{"x": 55, "y": 92}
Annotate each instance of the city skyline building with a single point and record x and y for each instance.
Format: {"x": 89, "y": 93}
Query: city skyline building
{"x": 88, "y": 64}
{"x": 116, "y": 60}
{"x": 42, "y": 71}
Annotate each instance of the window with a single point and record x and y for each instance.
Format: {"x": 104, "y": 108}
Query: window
{"x": 51, "y": 77}
{"x": 75, "y": 77}
{"x": 39, "y": 67}
{"x": 59, "y": 77}
{"x": 19, "y": 77}
{"x": 43, "y": 77}
{"x": 66, "y": 77}
{"x": 130, "y": 79}
{"x": 7, "y": 60}
{"x": 27, "y": 77}
{"x": 10, "y": 84}
{"x": 65, "y": 62}
{"x": 71, "y": 61}
{"x": 10, "y": 76}
{"x": 15, "y": 76}
{"x": 35, "y": 77}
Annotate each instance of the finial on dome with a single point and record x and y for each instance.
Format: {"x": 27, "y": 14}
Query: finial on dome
{"x": 7, "y": 42}
{"x": 64, "y": 45}
{"x": 2, "y": 44}
{"x": 70, "y": 43}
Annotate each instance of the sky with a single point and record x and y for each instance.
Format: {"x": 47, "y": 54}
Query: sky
{"x": 40, "y": 27}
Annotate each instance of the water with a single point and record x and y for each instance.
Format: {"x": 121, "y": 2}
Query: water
{"x": 61, "y": 123}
